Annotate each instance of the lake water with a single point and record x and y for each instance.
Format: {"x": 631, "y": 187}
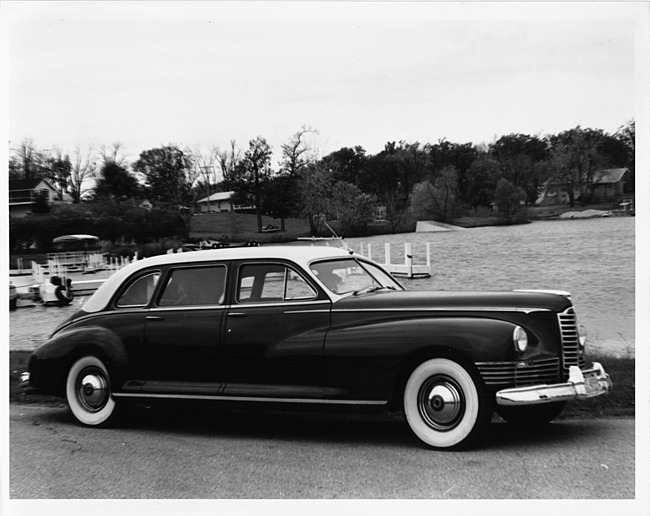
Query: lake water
{"x": 594, "y": 259}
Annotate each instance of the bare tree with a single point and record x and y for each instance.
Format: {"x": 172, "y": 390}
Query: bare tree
{"x": 58, "y": 170}
{"x": 27, "y": 162}
{"x": 82, "y": 169}
{"x": 297, "y": 152}
{"x": 205, "y": 164}
{"x": 227, "y": 160}
{"x": 112, "y": 154}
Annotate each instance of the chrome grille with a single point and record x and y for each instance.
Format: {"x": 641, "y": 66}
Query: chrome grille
{"x": 529, "y": 372}
{"x": 570, "y": 346}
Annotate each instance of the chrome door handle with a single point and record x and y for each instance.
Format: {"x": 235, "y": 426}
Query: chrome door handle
{"x": 154, "y": 318}
{"x": 237, "y": 314}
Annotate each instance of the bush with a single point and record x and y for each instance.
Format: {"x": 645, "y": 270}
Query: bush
{"x": 113, "y": 221}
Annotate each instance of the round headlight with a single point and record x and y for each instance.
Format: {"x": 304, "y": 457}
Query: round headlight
{"x": 520, "y": 339}
{"x": 582, "y": 336}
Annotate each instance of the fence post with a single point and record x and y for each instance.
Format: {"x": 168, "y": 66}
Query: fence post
{"x": 408, "y": 259}
{"x": 387, "y": 254}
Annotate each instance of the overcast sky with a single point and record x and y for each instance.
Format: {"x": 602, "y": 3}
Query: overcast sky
{"x": 202, "y": 74}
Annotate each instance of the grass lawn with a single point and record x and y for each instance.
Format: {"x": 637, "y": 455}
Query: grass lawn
{"x": 238, "y": 227}
{"x": 620, "y": 402}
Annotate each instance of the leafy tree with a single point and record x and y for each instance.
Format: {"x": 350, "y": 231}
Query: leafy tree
{"x": 315, "y": 187}
{"x": 460, "y": 156}
{"x": 627, "y": 135}
{"x": 575, "y": 157}
{"x": 352, "y": 208}
{"x": 436, "y": 201}
{"x": 411, "y": 159}
{"x": 508, "y": 199}
{"x": 424, "y": 201}
{"x": 346, "y": 164}
{"x": 517, "y": 154}
{"x": 114, "y": 181}
{"x": 481, "y": 180}
{"x": 164, "y": 171}
{"x": 280, "y": 198}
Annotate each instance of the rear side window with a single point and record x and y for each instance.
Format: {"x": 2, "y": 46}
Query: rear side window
{"x": 140, "y": 291}
{"x": 194, "y": 286}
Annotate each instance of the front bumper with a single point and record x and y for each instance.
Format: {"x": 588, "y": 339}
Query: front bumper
{"x": 586, "y": 383}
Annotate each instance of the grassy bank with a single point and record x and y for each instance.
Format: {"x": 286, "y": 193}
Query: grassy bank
{"x": 620, "y": 402}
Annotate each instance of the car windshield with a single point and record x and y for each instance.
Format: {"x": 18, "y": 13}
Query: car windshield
{"x": 351, "y": 276}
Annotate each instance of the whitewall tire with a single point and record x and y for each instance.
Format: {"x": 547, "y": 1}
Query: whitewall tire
{"x": 88, "y": 391}
{"x": 444, "y": 404}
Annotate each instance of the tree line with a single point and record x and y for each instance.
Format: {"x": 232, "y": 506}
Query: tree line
{"x": 405, "y": 180}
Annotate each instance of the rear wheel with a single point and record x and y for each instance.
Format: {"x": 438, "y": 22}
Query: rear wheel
{"x": 531, "y": 415}
{"x": 445, "y": 404}
{"x": 88, "y": 391}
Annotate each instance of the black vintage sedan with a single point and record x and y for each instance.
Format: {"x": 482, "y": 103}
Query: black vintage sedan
{"x": 305, "y": 326}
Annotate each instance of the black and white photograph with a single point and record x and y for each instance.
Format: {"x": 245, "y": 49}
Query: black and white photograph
{"x": 354, "y": 257}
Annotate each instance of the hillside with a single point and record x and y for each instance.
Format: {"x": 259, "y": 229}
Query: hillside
{"x": 237, "y": 227}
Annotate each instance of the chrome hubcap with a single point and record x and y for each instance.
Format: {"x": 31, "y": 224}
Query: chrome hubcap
{"x": 441, "y": 403}
{"x": 93, "y": 391}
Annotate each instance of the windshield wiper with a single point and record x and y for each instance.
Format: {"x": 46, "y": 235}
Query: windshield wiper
{"x": 373, "y": 288}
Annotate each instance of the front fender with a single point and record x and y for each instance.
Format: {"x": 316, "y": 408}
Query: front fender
{"x": 49, "y": 364}
{"x": 373, "y": 360}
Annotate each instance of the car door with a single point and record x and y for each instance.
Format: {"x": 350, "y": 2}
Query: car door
{"x": 183, "y": 331}
{"x": 275, "y": 330}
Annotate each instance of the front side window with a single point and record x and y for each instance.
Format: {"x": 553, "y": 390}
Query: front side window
{"x": 348, "y": 275}
{"x": 194, "y": 286}
{"x": 263, "y": 283}
{"x": 140, "y": 291}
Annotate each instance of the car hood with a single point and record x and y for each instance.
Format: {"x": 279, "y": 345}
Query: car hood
{"x": 526, "y": 301}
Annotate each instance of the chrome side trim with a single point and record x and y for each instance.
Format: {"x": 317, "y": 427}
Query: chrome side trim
{"x": 445, "y": 309}
{"x": 249, "y": 398}
{"x": 280, "y": 304}
{"x": 186, "y": 307}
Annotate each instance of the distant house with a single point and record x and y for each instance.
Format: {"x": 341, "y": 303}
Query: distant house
{"x": 25, "y": 193}
{"x": 606, "y": 184}
{"x": 220, "y": 201}
{"x": 612, "y": 183}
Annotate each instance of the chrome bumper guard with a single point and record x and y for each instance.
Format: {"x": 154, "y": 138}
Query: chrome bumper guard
{"x": 23, "y": 383}
{"x": 582, "y": 384}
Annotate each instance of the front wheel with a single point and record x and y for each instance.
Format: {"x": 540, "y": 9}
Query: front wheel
{"x": 88, "y": 391}
{"x": 445, "y": 404}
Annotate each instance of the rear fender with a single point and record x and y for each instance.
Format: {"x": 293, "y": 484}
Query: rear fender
{"x": 50, "y": 363}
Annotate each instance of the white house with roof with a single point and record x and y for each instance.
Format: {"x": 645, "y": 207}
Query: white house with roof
{"x": 219, "y": 202}
{"x": 25, "y": 193}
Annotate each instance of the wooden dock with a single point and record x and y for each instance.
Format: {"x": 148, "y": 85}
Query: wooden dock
{"x": 408, "y": 269}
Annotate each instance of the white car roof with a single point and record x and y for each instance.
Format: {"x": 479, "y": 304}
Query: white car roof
{"x": 303, "y": 255}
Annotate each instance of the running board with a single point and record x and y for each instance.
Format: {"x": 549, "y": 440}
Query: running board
{"x": 306, "y": 401}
